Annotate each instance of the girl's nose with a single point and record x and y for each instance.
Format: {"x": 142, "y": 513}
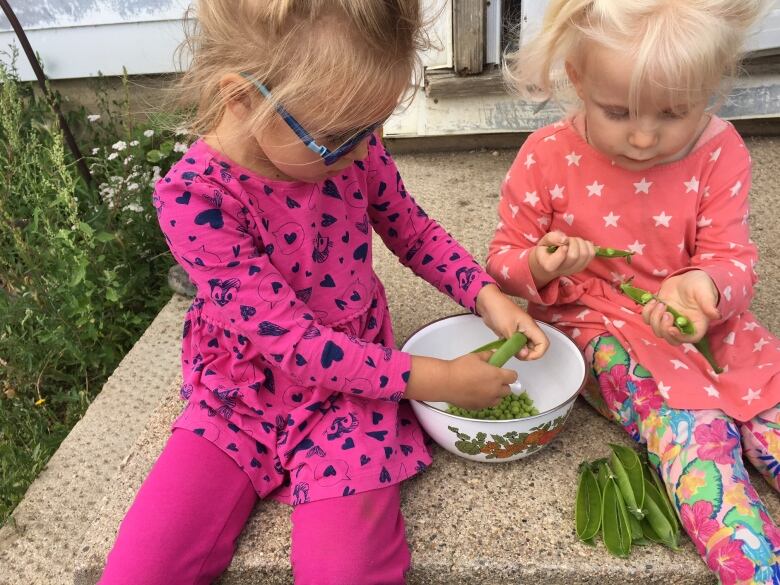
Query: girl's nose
{"x": 642, "y": 138}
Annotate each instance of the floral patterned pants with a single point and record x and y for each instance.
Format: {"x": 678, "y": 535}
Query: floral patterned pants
{"x": 699, "y": 456}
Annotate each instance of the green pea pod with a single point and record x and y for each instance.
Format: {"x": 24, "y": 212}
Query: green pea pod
{"x": 703, "y": 345}
{"x": 490, "y": 346}
{"x": 588, "y": 512}
{"x": 658, "y": 521}
{"x": 509, "y": 348}
{"x": 604, "y": 252}
{"x": 615, "y": 529}
{"x": 629, "y": 476}
{"x": 663, "y": 499}
{"x": 637, "y": 535}
{"x": 603, "y": 475}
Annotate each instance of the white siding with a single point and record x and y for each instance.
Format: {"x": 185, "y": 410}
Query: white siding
{"x": 81, "y": 38}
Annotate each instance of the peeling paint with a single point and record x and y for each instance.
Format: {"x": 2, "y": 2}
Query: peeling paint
{"x": 37, "y": 14}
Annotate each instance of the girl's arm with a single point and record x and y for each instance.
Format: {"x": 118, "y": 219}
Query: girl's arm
{"x": 723, "y": 248}
{"x": 525, "y": 213}
{"x": 418, "y": 241}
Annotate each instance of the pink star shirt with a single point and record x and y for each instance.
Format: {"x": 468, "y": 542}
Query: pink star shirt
{"x": 688, "y": 214}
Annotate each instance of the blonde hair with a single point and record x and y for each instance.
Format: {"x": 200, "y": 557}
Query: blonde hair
{"x": 687, "y": 46}
{"x": 343, "y": 62}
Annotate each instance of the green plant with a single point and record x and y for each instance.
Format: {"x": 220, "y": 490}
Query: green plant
{"x": 82, "y": 268}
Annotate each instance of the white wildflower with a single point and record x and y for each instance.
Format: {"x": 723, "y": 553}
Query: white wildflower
{"x": 112, "y": 156}
{"x": 128, "y": 160}
{"x": 180, "y": 147}
{"x": 134, "y": 207}
{"x": 93, "y": 117}
{"x": 182, "y": 131}
{"x": 148, "y": 133}
{"x": 95, "y": 151}
{"x": 134, "y": 143}
{"x": 133, "y": 187}
{"x": 121, "y": 145}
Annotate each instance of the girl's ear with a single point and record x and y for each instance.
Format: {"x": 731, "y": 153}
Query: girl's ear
{"x": 575, "y": 78}
{"x": 239, "y": 102}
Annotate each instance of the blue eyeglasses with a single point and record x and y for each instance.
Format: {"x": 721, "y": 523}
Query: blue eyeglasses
{"x": 328, "y": 156}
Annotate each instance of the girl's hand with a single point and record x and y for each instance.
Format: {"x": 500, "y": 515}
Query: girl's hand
{"x": 693, "y": 295}
{"x": 468, "y": 381}
{"x": 573, "y": 255}
{"x": 505, "y": 318}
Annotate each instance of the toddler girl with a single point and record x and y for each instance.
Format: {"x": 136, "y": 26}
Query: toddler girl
{"x": 644, "y": 166}
{"x": 293, "y": 382}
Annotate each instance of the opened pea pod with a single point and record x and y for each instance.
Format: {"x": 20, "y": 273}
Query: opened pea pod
{"x": 682, "y": 323}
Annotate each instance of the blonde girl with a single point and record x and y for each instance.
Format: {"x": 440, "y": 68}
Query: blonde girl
{"x": 293, "y": 384}
{"x": 644, "y": 164}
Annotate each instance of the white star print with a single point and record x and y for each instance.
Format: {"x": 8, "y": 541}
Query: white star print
{"x": 739, "y": 264}
{"x": 759, "y": 345}
{"x": 505, "y": 272}
{"x": 704, "y": 222}
{"x": 573, "y": 159}
{"x": 735, "y": 189}
{"x": 712, "y": 391}
{"x": 556, "y": 317}
{"x": 681, "y": 245}
{"x": 568, "y": 218}
{"x": 663, "y": 389}
{"x": 662, "y": 219}
{"x": 707, "y": 256}
{"x": 752, "y": 395}
{"x": 529, "y": 161}
{"x": 692, "y": 185}
{"x": 514, "y": 209}
{"x": 551, "y": 138}
{"x": 643, "y": 186}
{"x": 660, "y": 272}
{"x": 504, "y": 250}
{"x": 611, "y": 219}
{"x": 715, "y": 155}
{"x": 582, "y": 314}
{"x": 678, "y": 364}
{"x": 595, "y": 189}
{"x": 557, "y": 191}
{"x": 500, "y": 225}
{"x": 687, "y": 347}
{"x": 543, "y": 221}
{"x": 637, "y": 248}
{"x": 531, "y": 198}
{"x": 750, "y": 326}
{"x": 531, "y": 238}
{"x": 575, "y": 333}
{"x": 727, "y": 293}
{"x": 531, "y": 291}
{"x": 729, "y": 339}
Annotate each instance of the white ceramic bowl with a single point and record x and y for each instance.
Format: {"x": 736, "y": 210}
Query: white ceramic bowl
{"x": 552, "y": 382}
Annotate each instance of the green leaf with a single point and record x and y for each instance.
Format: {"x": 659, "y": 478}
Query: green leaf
{"x": 104, "y": 237}
{"x": 154, "y": 156}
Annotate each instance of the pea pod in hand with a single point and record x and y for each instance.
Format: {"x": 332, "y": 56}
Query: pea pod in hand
{"x": 604, "y": 252}
{"x": 681, "y": 322}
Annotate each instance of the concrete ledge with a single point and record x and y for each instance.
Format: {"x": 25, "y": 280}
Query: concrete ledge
{"x": 467, "y": 523}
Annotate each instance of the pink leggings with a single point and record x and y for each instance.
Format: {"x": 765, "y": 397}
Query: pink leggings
{"x": 188, "y": 514}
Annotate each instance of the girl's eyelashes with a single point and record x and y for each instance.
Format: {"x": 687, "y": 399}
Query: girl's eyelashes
{"x": 615, "y": 113}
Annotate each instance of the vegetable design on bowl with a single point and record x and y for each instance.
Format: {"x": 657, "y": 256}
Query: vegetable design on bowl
{"x": 508, "y": 444}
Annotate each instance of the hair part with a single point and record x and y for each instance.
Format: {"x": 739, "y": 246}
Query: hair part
{"x": 690, "y": 47}
{"x": 332, "y": 60}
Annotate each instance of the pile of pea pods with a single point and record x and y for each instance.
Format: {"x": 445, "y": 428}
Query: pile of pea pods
{"x": 623, "y": 498}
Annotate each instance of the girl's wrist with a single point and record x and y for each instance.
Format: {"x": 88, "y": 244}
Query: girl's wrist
{"x": 541, "y": 276}
{"x": 427, "y": 377}
{"x": 486, "y": 298}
